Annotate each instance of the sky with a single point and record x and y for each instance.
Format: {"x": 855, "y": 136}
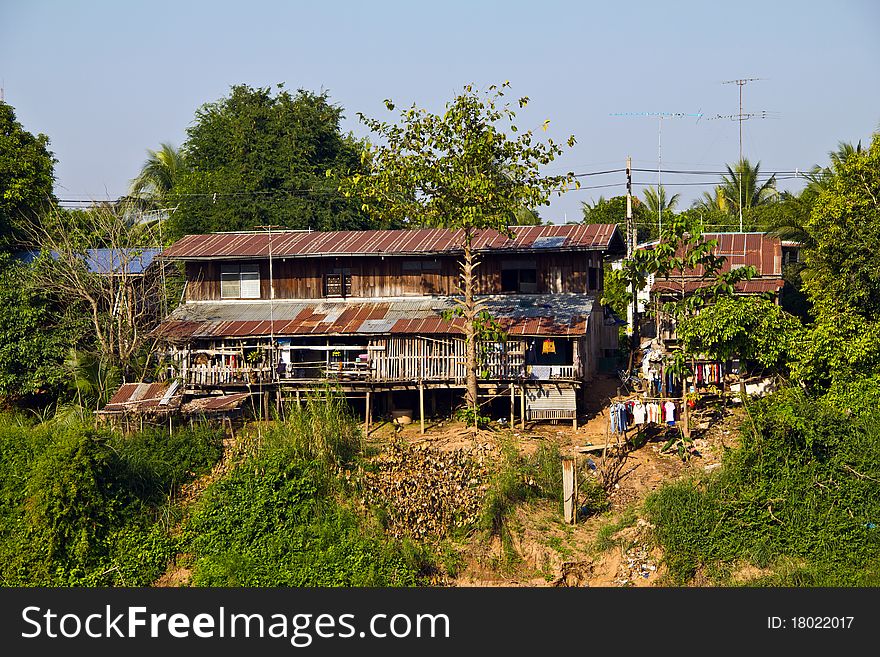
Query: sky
{"x": 107, "y": 80}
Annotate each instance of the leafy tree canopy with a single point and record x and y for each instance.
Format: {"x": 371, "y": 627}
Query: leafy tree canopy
{"x": 35, "y": 335}
{"x": 257, "y": 158}
{"x": 842, "y": 277}
{"x": 749, "y": 328}
{"x": 26, "y": 175}
{"x": 844, "y": 263}
{"x": 469, "y": 168}
{"x": 613, "y": 211}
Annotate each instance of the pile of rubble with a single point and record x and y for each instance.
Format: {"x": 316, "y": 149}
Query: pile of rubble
{"x": 425, "y": 491}
{"x": 636, "y": 564}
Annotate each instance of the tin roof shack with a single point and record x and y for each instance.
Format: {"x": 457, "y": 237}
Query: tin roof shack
{"x": 758, "y": 250}
{"x": 287, "y": 312}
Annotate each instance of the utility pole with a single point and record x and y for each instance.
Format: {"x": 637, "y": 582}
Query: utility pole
{"x": 631, "y": 244}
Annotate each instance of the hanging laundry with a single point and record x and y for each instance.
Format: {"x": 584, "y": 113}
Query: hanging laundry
{"x": 639, "y": 412}
{"x": 549, "y": 346}
{"x": 669, "y": 409}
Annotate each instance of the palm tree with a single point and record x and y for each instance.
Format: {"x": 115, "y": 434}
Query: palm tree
{"x": 742, "y": 182}
{"x": 714, "y": 200}
{"x": 159, "y": 174}
{"x": 655, "y": 205}
{"x": 789, "y": 220}
{"x": 820, "y": 177}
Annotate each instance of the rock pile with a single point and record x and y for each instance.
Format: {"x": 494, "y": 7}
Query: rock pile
{"x": 427, "y": 492}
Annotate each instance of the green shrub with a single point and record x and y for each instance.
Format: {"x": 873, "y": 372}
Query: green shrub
{"x": 271, "y": 523}
{"x": 802, "y": 489}
{"x": 82, "y": 506}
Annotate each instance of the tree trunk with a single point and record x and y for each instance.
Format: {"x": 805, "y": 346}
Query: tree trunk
{"x": 470, "y": 312}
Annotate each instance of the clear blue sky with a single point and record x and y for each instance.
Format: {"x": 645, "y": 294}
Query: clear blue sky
{"x": 105, "y": 80}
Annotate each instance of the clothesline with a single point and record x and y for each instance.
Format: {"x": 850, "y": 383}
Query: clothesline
{"x": 624, "y": 415}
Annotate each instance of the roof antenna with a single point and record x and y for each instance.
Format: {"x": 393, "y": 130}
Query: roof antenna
{"x": 740, "y": 117}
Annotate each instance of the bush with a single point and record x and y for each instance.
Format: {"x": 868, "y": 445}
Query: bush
{"x": 82, "y": 506}
{"x": 271, "y": 522}
{"x": 323, "y": 430}
{"x": 802, "y": 489}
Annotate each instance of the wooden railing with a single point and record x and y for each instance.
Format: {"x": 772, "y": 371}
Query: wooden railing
{"x": 208, "y": 375}
{"x": 394, "y": 359}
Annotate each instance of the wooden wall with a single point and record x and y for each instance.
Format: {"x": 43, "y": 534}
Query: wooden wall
{"x": 302, "y": 278}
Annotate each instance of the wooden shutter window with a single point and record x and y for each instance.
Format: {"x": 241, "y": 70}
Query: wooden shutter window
{"x": 250, "y": 281}
{"x": 230, "y": 282}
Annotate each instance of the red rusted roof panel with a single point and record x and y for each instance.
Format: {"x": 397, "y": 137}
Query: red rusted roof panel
{"x": 754, "y": 286}
{"x": 138, "y": 397}
{"x": 392, "y": 242}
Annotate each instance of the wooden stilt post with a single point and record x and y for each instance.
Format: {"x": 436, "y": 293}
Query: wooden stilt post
{"x": 367, "y": 415}
{"x": 569, "y": 489}
{"x": 512, "y": 403}
{"x": 522, "y": 407}
{"x": 422, "y": 404}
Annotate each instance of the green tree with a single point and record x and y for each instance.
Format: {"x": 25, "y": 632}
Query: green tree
{"x": 468, "y": 168}
{"x": 27, "y": 173}
{"x": 820, "y": 178}
{"x": 661, "y": 204}
{"x": 748, "y": 328}
{"x": 159, "y": 174}
{"x": 842, "y": 277}
{"x": 35, "y": 334}
{"x": 613, "y": 211}
{"x": 259, "y": 158}
{"x": 742, "y": 186}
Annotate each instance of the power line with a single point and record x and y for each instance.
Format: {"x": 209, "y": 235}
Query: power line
{"x": 785, "y": 174}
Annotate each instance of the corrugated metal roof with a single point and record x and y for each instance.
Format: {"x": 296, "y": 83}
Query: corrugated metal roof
{"x": 754, "y": 286}
{"x": 761, "y": 251}
{"x": 556, "y": 314}
{"x": 392, "y": 242}
{"x": 107, "y": 261}
{"x": 141, "y": 397}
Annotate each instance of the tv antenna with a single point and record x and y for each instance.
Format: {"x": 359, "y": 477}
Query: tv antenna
{"x": 740, "y": 117}
{"x": 659, "y": 116}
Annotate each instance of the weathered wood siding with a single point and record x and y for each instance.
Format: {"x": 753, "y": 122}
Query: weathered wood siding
{"x": 302, "y": 278}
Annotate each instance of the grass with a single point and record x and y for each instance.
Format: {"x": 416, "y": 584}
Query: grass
{"x": 605, "y": 540}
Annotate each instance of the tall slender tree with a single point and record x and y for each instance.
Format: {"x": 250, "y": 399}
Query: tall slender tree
{"x": 469, "y": 168}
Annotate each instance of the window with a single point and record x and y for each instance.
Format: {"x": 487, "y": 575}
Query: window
{"x": 519, "y": 276}
{"x": 418, "y": 266}
{"x": 337, "y": 285}
{"x": 240, "y": 282}
{"x": 593, "y": 273}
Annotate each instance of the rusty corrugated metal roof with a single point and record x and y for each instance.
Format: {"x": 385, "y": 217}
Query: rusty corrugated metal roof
{"x": 391, "y": 242}
{"x": 556, "y": 314}
{"x": 754, "y": 286}
{"x": 761, "y": 251}
{"x": 141, "y": 397}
